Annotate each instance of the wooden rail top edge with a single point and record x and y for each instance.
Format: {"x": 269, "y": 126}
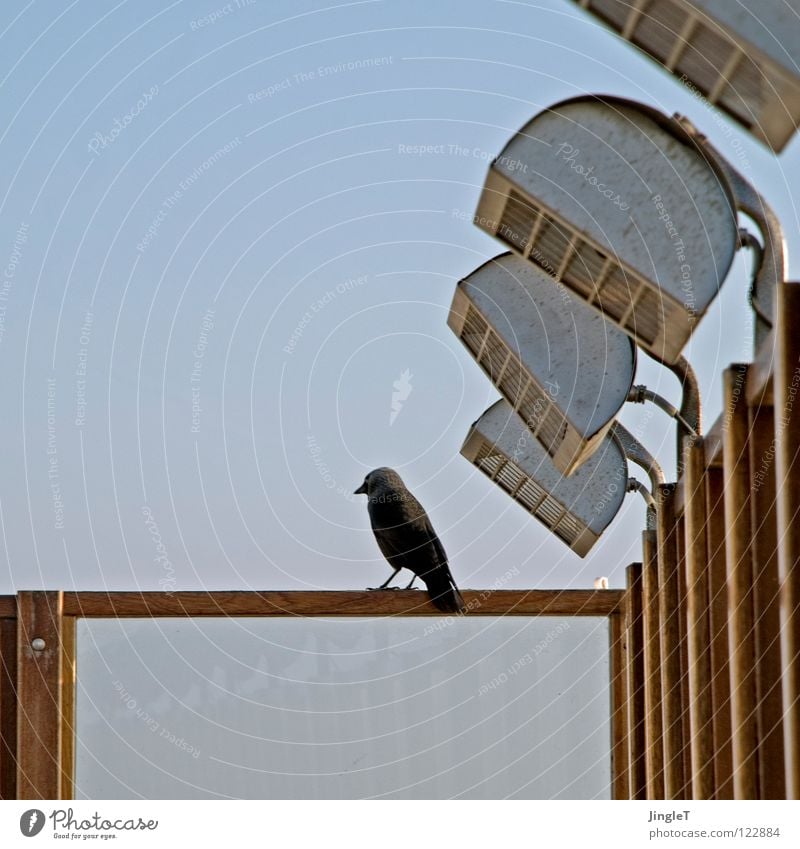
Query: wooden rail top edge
{"x": 759, "y": 388}
{"x": 330, "y": 603}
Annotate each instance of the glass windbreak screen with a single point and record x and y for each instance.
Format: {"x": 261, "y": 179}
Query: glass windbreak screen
{"x": 343, "y": 708}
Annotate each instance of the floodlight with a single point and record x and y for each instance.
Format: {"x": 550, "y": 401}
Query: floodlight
{"x": 622, "y": 205}
{"x": 740, "y": 56}
{"x": 563, "y": 368}
{"x": 578, "y": 508}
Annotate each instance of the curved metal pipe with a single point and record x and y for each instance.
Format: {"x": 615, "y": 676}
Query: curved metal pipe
{"x": 772, "y": 269}
{"x": 748, "y": 240}
{"x": 637, "y": 486}
{"x": 691, "y": 402}
{"x": 639, "y": 394}
{"x": 637, "y": 453}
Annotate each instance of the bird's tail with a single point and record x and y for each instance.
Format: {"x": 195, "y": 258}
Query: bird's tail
{"x": 444, "y": 592}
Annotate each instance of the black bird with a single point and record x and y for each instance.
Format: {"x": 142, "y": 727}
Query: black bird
{"x": 407, "y": 539}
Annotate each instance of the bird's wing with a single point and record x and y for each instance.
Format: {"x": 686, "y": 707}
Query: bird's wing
{"x": 389, "y": 547}
{"x": 441, "y": 555}
{"x": 410, "y": 544}
{"x": 437, "y": 576}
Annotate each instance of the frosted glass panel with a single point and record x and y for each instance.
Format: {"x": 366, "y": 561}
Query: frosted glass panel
{"x": 391, "y": 707}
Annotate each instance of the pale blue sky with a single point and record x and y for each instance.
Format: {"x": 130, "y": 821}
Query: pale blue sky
{"x": 263, "y": 185}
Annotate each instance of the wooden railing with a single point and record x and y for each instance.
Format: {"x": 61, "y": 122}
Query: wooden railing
{"x": 714, "y": 613}
{"x": 705, "y": 640}
{"x": 37, "y": 684}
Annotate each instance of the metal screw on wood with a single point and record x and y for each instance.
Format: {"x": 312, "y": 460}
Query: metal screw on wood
{"x": 38, "y": 644}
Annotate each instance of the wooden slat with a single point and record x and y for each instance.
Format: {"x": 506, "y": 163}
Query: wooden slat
{"x": 377, "y": 603}
{"x": 654, "y": 739}
{"x": 618, "y": 654}
{"x": 634, "y": 616}
{"x": 68, "y": 683}
{"x": 39, "y": 688}
{"x": 759, "y": 388}
{"x": 766, "y": 604}
{"x": 787, "y": 458}
{"x": 741, "y": 637}
{"x": 8, "y": 607}
{"x": 681, "y": 610}
{"x": 718, "y": 628}
{"x": 670, "y": 644}
{"x": 713, "y": 442}
{"x": 8, "y": 709}
{"x": 698, "y": 632}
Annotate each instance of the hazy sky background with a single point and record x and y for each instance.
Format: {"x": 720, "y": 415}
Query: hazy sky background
{"x": 485, "y": 708}
{"x": 165, "y": 373}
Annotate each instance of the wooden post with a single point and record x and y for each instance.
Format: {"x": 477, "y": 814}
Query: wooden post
{"x": 8, "y": 709}
{"x": 68, "y": 683}
{"x": 654, "y": 738}
{"x": 786, "y": 387}
{"x": 619, "y": 707}
{"x": 686, "y": 732}
{"x": 741, "y": 639}
{"x": 698, "y": 631}
{"x": 40, "y": 683}
{"x": 637, "y": 772}
{"x": 766, "y": 604}
{"x": 669, "y": 614}
{"x": 718, "y": 636}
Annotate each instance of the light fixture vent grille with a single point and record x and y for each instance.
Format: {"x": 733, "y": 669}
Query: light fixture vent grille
{"x": 729, "y": 74}
{"x": 624, "y": 297}
{"x": 526, "y": 492}
{"x": 517, "y": 385}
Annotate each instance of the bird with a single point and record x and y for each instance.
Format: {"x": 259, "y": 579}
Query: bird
{"x": 406, "y": 538}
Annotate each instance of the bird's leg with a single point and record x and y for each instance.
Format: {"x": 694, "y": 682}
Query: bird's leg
{"x": 386, "y": 583}
{"x": 411, "y": 583}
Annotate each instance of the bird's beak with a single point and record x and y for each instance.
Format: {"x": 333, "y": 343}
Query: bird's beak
{"x": 362, "y": 490}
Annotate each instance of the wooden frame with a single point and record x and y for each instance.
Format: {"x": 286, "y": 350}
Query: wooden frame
{"x": 671, "y": 644}
{"x": 37, "y": 683}
{"x": 635, "y": 683}
{"x": 8, "y": 707}
{"x": 737, "y": 494}
{"x": 698, "y": 629}
{"x": 704, "y": 643}
{"x": 787, "y": 470}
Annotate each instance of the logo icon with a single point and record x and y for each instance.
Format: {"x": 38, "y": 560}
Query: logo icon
{"x": 402, "y": 389}
{"x": 31, "y": 822}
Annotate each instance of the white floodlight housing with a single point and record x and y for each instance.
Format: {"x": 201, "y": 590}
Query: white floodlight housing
{"x": 741, "y": 55}
{"x": 578, "y": 508}
{"x": 623, "y": 206}
{"x": 563, "y": 368}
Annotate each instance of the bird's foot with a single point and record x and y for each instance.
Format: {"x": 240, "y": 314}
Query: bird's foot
{"x": 375, "y": 589}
